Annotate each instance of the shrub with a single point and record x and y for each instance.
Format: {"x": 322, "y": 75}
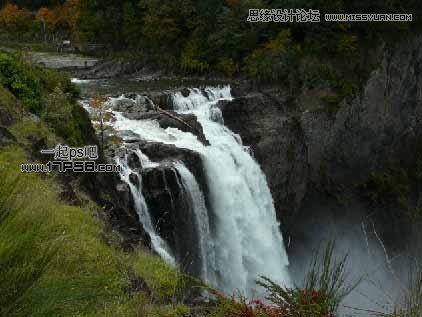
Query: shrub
{"x": 21, "y": 81}
{"x": 324, "y": 288}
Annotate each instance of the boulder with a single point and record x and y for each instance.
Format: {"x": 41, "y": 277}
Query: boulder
{"x": 133, "y": 178}
{"x": 185, "y": 92}
{"x": 133, "y": 161}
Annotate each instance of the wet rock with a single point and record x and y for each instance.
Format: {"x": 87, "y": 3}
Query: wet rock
{"x": 300, "y": 143}
{"x": 133, "y": 178}
{"x": 185, "y": 92}
{"x": 129, "y": 136}
{"x": 172, "y": 214}
{"x": 165, "y": 153}
{"x": 125, "y": 105}
{"x": 183, "y": 122}
{"x": 162, "y": 99}
{"x": 216, "y": 115}
{"x": 133, "y": 161}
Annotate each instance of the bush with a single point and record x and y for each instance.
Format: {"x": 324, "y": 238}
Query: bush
{"x": 21, "y": 81}
{"x": 324, "y": 288}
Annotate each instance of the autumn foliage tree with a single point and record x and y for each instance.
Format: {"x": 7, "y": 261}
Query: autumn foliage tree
{"x": 70, "y": 13}
{"x": 12, "y": 18}
{"x": 98, "y": 103}
{"x": 48, "y": 19}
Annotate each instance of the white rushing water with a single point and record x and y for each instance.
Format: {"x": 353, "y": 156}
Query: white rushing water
{"x": 244, "y": 241}
{"x": 158, "y": 244}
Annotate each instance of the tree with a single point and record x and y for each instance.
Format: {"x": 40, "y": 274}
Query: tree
{"x": 98, "y": 103}
{"x": 48, "y": 19}
{"x": 131, "y": 25}
{"x": 69, "y": 15}
{"x": 12, "y": 18}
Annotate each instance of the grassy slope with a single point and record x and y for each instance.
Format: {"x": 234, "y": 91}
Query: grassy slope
{"x": 57, "y": 259}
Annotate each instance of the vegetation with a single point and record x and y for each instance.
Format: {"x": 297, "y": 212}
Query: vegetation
{"x": 324, "y": 287}
{"x": 53, "y": 261}
{"x": 411, "y": 303}
{"x": 47, "y": 94}
{"x": 199, "y": 36}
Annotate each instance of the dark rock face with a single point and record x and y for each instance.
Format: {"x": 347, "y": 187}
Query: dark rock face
{"x": 164, "y": 99}
{"x": 169, "y": 205}
{"x": 306, "y": 146}
{"x": 133, "y": 161}
{"x": 276, "y": 143}
{"x": 172, "y": 214}
{"x": 133, "y": 178}
{"x": 185, "y": 92}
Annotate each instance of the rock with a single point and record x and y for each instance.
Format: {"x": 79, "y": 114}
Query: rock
{"x": 216, "y": 115}
{"x": 133, "y": 161}
{"x": 172, "y": 214}
{"x": 301, "y": 144}
{"x": 165, "y": 153}
{"x": 162, "y": 99}
{"x": 205, "y": 94}
{"x": 187, "y": 122}
{"x": 128, "y": 136}
{"x": 125, "y": 105}
{"x": 6, "y": 138}
{"x": 185, "y": 92}
{"x": 133, "y": 178}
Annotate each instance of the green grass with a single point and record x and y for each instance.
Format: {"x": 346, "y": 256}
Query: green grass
{"x": 411, "y": 302}
{"x": 54, "y": 262}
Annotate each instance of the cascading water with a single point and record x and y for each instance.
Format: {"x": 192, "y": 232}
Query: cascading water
{"x": 239, "y": 236}
{"x": 158, "y": 244}
{"x": 206, "y": 244}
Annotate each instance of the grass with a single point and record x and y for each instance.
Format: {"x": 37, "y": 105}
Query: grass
{"x": 324, "y": 288}
{"x": 54, "y": 262}
{"x": 411, "y": 303}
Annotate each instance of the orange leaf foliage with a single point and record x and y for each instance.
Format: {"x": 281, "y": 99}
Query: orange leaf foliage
{"x": 48, "y": 16}
{"x": 11, "y": 15}
{"x": 70, "y": 13}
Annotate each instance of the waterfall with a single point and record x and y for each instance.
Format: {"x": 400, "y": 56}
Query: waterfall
{"x": 201, "y": 220}
{"x": 239, "y": 236}
{"x": 158, "y": 244}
